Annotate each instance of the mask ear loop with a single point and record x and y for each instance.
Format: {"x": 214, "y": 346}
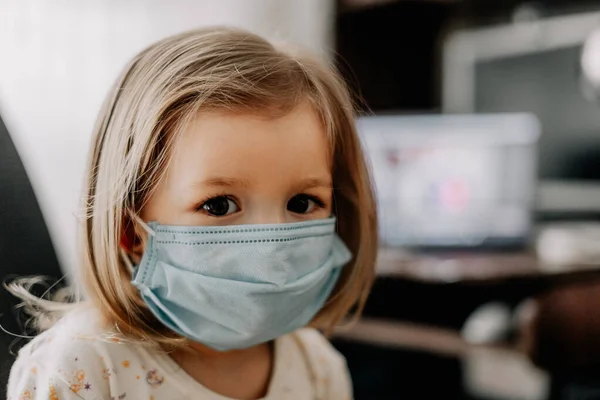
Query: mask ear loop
{"x": 124, "y": 255}
{"x": 127, "y": 260}
{"x": 144, "y": 225}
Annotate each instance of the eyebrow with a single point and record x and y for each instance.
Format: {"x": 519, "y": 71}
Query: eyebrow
{"x": 313, "y": 183}
{"x": 223, "y": 182}
{"x": 310, "y": 183}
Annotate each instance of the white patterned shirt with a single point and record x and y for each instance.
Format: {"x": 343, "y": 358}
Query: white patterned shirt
{"x": 76, "y": 360}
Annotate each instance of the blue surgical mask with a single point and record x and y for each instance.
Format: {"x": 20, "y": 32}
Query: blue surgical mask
{"x": 232, "y": 287}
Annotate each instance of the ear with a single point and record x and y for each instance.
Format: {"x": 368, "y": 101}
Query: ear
{"x": 132, "y": 242}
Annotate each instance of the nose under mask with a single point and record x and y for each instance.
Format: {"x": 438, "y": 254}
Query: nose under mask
{"x": 232, "y": 287}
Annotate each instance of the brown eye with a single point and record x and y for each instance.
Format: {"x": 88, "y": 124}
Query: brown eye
{"x": 301, "y": 204}
{"x": 219, "y": 206}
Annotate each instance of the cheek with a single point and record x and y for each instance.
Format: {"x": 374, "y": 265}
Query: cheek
{"x": 165, "y": 205}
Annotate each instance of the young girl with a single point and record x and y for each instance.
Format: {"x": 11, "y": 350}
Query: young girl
{"x": 229, "y": 209}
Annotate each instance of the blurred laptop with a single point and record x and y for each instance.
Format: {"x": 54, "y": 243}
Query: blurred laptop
{"x": 453, "y": 181}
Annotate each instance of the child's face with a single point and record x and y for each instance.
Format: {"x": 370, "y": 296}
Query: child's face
{"x": 246, "y": 169}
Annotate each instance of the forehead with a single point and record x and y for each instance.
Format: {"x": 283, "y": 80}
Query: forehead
{"x": 249, "y": 146}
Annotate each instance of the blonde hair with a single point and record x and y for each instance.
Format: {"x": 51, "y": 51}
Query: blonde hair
{"x": 153, "y": 99}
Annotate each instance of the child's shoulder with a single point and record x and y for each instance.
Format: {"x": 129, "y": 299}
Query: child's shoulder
{"x": 76, "y": 355}
{"x": 320, "y": 353}
{"x": 325, "y": 362}
{"x": 315, "y": 343}
{"x": 318, "y": 349}
{"x": 80, "y": 331}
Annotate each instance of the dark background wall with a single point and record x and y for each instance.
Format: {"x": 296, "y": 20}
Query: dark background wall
{"x": 390, "y": 53}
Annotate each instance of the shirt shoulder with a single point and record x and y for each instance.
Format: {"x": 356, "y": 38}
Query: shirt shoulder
{"x": 77, "y": 359}
{"x": 327, "y": 364}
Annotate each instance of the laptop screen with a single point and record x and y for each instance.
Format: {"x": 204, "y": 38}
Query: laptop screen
{"x": 452, "y": 180}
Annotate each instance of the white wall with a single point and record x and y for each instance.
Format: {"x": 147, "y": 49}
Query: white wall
{"x": 59, "y": 57}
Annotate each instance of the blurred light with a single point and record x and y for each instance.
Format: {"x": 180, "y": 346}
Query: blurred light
{"x": 528, "y": 12}
{"x": 590, "y": 59}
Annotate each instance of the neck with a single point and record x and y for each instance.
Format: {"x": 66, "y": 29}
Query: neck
{"x": 229, "y": 359}
{"x": 243, "y": 374}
